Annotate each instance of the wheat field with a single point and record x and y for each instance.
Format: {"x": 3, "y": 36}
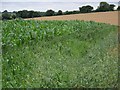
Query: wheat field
{"x": 102, "y": 17}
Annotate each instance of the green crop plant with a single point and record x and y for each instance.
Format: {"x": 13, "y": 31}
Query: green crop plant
{"x": 59, "y": 54}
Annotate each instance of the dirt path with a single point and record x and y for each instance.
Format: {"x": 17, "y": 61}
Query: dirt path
{"x": 103, "y": 17}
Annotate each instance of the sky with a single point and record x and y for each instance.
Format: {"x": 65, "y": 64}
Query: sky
{"x": 59, "y": 0}
{"x": 44, "y": 5}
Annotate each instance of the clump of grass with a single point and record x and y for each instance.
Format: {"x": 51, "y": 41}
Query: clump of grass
{"x": 59, "y": 54}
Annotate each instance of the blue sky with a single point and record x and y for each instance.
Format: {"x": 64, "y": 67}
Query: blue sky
{"x": 44, "y": 5}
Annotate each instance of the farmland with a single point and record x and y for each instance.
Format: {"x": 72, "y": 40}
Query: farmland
{"x": 59, "y": 54}
{"x": 103, "y": 17}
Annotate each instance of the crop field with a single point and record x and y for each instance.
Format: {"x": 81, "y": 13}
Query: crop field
{"x": 102, "y": 17}
{"x": 59, "y": 54}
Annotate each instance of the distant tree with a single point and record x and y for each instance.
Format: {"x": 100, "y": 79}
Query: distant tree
{"x": 28, "y": 14}
{"x": 14, "y": 16}
{"x": 42, "y": 13}
{"x": 66, "y": 12}
{"x": 50, "y": 13}
{"x": 19, "y": 14}
{"x": 71, "y": 12}
{"x": 118, "y": 8}
{"x": 5, "y": 11}
{"x": 0, "y": 16}
{"x": 59, "y": 12}
{"x": 6, "y": 15}
{"x": 86, "y": 9}
{"x": 76, "y": 12}
{"x": 31, "y": 14}
{"x": 14, "y": 11}
{"x": 36, "y": 14}
{"x": 112, "y": 6}
{"x": 23, "y": 14}
{"x": 104, "y": 6}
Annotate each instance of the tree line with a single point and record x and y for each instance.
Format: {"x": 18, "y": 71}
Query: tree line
{"x": 103, "y": 7}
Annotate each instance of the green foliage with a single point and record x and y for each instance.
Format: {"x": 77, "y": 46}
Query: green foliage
{"x": 50, "y": 13}
{"x": 14, "y": 16}
{"x": 21, "y": 14}
{"x": 59, "y": 54}
{"x": 28, "y": 14}
{"x": 118, "y": 8}
{"x": 86, "y": 9}
{"x": 6, "y": 15}
{"x": 104, "y": 6}
{"x": 59, "y": 12}
{"x": 0, "y": 16}
{"x": 112, "y": 6}
{"x": 71, "y": 12}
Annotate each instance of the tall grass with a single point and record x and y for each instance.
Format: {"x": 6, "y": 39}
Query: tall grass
{"x": 59, "y": 54}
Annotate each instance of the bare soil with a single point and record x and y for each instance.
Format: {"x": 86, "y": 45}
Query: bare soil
{"x": 102, "y": 17}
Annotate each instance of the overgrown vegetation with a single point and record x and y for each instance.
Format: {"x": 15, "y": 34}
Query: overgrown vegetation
{"x": 59, "y": 54}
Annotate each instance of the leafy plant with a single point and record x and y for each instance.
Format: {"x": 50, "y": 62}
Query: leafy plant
{"x": 59, "y": 54}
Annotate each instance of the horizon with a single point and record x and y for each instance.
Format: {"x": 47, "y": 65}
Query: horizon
{"x": 44, "y": 6}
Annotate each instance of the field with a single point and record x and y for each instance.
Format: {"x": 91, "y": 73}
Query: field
{"x": 59, "y": 54}
{"x": 103, "y": 17}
